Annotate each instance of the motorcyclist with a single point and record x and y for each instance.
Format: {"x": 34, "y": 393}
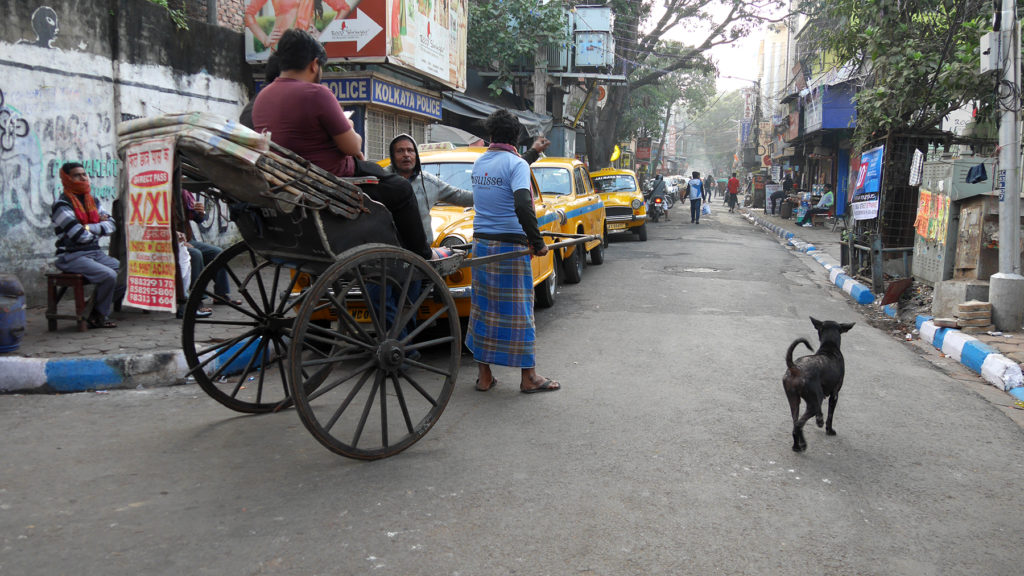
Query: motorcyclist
{"x": 658, "y": 191}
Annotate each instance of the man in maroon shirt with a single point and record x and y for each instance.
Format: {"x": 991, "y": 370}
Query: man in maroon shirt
{"x": 305, "y": 117}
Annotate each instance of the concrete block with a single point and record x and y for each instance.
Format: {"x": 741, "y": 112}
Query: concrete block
{"x": 949, "y": 293}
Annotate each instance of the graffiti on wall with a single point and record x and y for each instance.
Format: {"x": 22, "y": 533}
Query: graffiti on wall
{"x": 44, "y": 127}
{"x": 44, "y": 24}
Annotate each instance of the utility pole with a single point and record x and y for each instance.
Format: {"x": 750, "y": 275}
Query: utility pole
{"x": 1006, "y": 288}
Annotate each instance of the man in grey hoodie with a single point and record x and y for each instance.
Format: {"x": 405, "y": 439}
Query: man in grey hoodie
{"x": 429, "y": 189}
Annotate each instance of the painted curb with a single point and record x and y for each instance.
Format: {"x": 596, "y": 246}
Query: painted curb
{"x": 857, "y": 291}
{"x": 64, "y": 375}
{"x": 994, "y": 368}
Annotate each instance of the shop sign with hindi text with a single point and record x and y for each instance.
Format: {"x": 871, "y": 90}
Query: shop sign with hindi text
{"x": 151, "y": 271}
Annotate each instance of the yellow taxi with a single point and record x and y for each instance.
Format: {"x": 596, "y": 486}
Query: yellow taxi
{"x": 623, "y": 200}
{"x": 453, "y": 226}
{"x": 565, "y": 186}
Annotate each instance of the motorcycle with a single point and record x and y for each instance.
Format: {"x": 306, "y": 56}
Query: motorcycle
{"x": 656, "y": 209}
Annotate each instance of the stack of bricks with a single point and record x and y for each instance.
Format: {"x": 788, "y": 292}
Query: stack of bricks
{"x": 974, "y": 317}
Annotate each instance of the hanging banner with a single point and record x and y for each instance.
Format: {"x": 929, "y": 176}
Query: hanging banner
{"x": 866, "y": 193}
{"x": 150, "y": 164}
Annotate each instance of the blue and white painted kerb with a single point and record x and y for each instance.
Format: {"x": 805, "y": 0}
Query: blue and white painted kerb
{"x": 857, "y": 291}
{"x": 996, "y": 369}
{"x": 63, "y": 375}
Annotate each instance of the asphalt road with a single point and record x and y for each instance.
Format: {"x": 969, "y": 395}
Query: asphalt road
{"x": 666, "y": 452}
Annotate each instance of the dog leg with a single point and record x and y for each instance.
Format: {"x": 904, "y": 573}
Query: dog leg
{"x": 832, "y": 401}
{"x": 799, "y": 442}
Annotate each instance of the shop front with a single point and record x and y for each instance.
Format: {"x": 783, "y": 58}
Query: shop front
{"x": 381, "y": 108}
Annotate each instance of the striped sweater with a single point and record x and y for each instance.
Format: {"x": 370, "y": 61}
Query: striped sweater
{"x": 71, "y": 234}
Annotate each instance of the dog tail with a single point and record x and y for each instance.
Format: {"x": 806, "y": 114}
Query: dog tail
{"x": 789, "y": 352}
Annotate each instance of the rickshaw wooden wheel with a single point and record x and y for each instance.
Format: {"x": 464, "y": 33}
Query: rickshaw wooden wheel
{"x": 238, "y": 355}
{"x": 386, "y": 383}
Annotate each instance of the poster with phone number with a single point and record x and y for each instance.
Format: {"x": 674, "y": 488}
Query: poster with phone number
{"x": 151, "y": 263}
{"x": 867, "y": 192}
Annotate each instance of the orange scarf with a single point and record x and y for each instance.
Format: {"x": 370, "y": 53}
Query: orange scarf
{"x": 78, "y": 193}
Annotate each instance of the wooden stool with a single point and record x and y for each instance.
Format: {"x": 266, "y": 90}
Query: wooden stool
{"x": 57, "y": 283}
{"x": 818, "y": 219}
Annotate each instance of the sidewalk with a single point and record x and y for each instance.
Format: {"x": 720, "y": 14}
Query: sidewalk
{"x": 144, "y": 350}
{"x": 996, "y": 357}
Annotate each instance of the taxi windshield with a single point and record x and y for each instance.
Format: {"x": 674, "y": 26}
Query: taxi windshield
{"x": 619, "y": 183}
{"x": 553, "y": 180}
{"x": 457, "y": 174}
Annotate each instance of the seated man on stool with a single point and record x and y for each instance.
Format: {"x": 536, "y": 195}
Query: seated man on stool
{"x": 822, "y": 207}
{"x": 80, "y": 221}
{"x": 305, "y": 117}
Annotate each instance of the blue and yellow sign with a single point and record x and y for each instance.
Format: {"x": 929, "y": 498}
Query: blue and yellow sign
{"x": 377, "y": 91}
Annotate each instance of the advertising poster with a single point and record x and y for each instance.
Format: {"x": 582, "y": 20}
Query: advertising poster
{"x": 266, "y": 20}
{"x": 151, "y": 264}
{"x": 426, "y": 36}
{"x": 867, "y": 191}
{"x": 430, "y": 36}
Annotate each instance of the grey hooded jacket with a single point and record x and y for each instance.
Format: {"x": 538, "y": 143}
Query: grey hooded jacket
{"x": 429, "y": 189}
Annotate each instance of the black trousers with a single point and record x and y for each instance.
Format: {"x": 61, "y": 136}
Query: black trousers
{"x": 777, "y": 196}
{"x": 396, "y": 194}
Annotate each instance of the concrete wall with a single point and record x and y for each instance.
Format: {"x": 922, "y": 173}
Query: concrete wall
{"x": 69, "y": 72}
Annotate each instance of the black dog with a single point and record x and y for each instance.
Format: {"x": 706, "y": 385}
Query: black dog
{"x": 814, "y": 377}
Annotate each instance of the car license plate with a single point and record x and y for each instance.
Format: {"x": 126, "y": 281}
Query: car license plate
{"x": 617, "y": 226}
{"x": 360, "y": 315}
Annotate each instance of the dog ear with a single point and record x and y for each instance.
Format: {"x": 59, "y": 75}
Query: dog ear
{"x": 846, "y": 327}
{"x": 817, "y": 323}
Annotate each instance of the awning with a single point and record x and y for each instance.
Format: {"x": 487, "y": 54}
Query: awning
{"x": 470, "y": 107}
{"x": 442, "y": 133}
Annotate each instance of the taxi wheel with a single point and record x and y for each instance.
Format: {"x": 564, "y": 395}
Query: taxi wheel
{"x": 641, "y": 232}
{"x": 597, "y": 252}
{"x": 573, "y": 266}
{"x": 544, "y": 293}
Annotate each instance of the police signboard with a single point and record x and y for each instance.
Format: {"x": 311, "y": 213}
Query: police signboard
{"x": 376, "y": 91}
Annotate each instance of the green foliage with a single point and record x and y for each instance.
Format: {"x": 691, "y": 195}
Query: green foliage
{"x": 919, "y": 58}
{"x": 506, "y": 33}
{"x": 177, "y": 16}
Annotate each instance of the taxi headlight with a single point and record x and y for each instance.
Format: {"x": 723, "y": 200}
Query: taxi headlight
{"x": 637, "y": 203}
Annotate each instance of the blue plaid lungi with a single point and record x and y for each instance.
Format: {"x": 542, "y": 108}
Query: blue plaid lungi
{"x": 501, "y": 329}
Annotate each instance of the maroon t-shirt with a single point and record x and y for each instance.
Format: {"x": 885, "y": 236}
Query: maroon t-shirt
{"x": 304, "y": 118}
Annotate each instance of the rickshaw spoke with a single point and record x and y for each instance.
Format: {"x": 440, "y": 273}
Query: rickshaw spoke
{"x": 370, "y": 308}
{"x": 248, "y": 366}
{"x": 401, "y": 404}
{"x": 426, "y": 396}
{"x": 335, "y": 337}
{"x": 363, "y": 369}
{"x": 351, "y": 322}
{"x": 384, "y": 412}
{"x": 224, "y": 346}
{"x": 377, "y": 381}
{"x": 285, "y": 303}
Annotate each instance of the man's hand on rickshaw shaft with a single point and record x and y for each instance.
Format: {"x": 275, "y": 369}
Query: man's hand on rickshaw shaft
{"x": 540, "y": 251}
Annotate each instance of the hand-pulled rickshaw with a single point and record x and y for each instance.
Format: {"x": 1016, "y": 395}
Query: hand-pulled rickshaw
{"x": 327, "y": 320}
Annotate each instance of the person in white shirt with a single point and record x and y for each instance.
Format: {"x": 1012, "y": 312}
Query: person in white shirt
{"x": 822, "y": 207}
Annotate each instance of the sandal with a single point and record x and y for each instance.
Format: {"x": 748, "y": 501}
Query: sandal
{"x": 100, "y": 322}
{"x": 494, "y": 382}
{"x": 225, "y": 300}
{"x": 548, "y": 385}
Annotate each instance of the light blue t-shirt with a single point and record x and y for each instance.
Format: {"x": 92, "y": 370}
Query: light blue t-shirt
{"x": 496, "y": 175}
{"x": 696, "y": 188}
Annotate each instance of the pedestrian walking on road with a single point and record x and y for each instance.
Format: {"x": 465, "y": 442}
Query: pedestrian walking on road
{"x": 696, "y": 193}
{"x": 732, "y": 192}
{"x": 501, "y": 327}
